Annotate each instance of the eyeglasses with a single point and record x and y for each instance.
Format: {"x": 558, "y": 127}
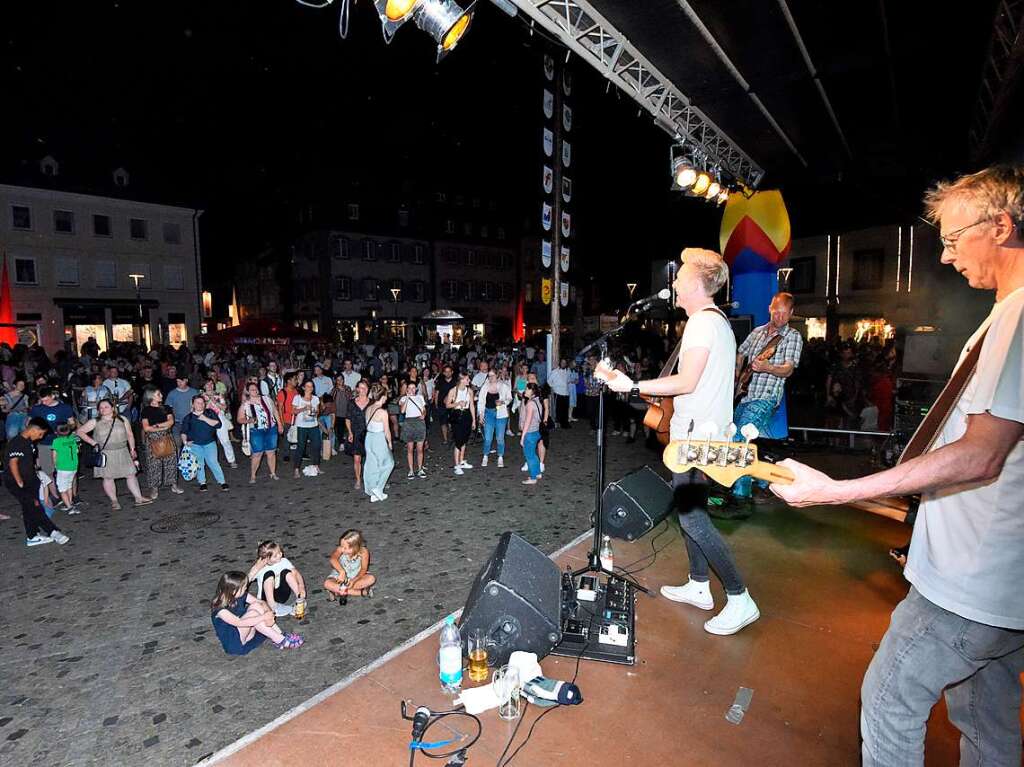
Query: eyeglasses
{"x": 950, "y": 240}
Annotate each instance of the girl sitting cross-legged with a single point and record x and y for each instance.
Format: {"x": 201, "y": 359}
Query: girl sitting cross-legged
{"x": 351, "y": 560}
{"x": 242, "y": 621}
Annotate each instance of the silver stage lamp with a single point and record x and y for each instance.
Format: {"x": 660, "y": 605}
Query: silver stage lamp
{"x": 393, "y": 14}
{"x": 443, "y": 20}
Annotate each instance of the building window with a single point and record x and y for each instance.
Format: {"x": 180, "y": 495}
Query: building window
{"x": 450, "y": 289}
{"x": 370, "y": 288}
{"x": 138, "y": 228}
{"x": 64, "y": 221}
{"x": 868, "y": 269}
{"x": 467, "y": 228}
{"x": 340, "y": 248}
{"x": 484, "y": 231}
{"x": 353, "y": 211}
{"x": 403, "y": 217}
{"x": 417, "y": 255}
{"x": 449, "y": 227}
{"x": 67, "y": 272}
{"x": 484, "y": 291}
{"x": 419, "y": 291}
{"x": 21, "y": 217}
{"x": 172, "y": 233}
{"x": 395, "y": 253}
{"x": 440, "y": 197}
{"x": 468, "y": 290}
{"x": 395, "y": 284}
{"x": 528, "y": 292}
{"x": 505, "y": 291}
{"x": 106, "y": 274}
{"x": 342, "y": 288}
{"x": 451, "y": 256}
{"x": 801, "y": 279}
{"x": 25, "y": 271}
{"x": 174, "y": 278}
{"x": 501, "y": 233}
{"x": 101, "y": 225}
{"x": 460, "y": 200}
{"x": 369, "y": 250}
{"x": 471, "y": 258}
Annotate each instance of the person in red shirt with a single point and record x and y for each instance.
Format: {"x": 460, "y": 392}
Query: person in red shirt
{"x": 285, "y": 416}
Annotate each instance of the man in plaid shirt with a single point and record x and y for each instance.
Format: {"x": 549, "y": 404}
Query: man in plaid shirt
{"x": 768, "y": 382}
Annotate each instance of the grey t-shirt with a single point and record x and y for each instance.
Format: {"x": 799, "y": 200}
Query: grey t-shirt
{"x": 967, "y": 552}
{"x": 180, "y": 403}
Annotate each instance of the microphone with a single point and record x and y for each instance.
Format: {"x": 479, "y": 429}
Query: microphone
{"x": 662, "y": 295}
{"x": 729, "y": 305}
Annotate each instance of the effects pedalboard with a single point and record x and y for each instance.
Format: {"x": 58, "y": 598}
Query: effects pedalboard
{"x": 598, "y": 619}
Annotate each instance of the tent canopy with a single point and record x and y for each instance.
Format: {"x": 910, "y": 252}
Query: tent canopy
{"x": 262, "y": 332}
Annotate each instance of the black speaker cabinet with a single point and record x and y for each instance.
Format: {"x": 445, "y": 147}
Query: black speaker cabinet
{"x": 636, "y": 503}
{"x": 516, "y": 600}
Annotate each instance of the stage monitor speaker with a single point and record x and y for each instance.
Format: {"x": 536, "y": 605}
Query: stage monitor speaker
{"x": 636, "y": 503}
{"x": 516, "y": 600}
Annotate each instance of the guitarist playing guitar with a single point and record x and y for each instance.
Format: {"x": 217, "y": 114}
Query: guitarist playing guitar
{"x": 701, "y": 391}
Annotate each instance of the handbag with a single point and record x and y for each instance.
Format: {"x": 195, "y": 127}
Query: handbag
{"x": 246, "y": 445}
{"x": 98, "y": 459}
{"x": 162, "y": 446}
{"x": 188, "y": 464}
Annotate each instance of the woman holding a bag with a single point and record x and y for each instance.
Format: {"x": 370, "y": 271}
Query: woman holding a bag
{"x": 115, "y": 455}
{"x": 161, "y": 450}
{"x": 258, "y": 417}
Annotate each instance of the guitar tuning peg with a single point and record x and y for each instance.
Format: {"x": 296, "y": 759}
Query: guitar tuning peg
{"x": 730, "y": 432}
{"x": 749, "y": 432}
{"x": 708, "y": 428}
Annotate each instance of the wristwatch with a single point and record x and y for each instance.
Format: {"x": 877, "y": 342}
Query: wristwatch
{"x": 634, "y": 393}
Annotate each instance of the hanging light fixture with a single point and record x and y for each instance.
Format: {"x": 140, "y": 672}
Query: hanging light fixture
{"x": 723, "y": 196}
{"x": 444, "y": 20}
{"x": 683, "y": 173}
{"x": 713, "y": 189}
{"x": 701, "y": 184}
{"x": 393, "y": 14}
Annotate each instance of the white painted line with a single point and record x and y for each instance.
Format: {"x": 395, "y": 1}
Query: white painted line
{"x": 255, "y": 735}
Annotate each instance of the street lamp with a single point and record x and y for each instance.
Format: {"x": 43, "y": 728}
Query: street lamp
{"x": 395, "y": 293}
{"x": 631, "y": 286}
{"x": 135, "y": 277}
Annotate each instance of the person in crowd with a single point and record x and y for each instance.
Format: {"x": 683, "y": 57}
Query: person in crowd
{"x": 394, "y": 411}
{"x": 328, "y": 414}
{"x": 179, "y": 400}
{"x": 494, "y": 401}
{"x": 845, "y": 390}
{"x": 271, "y": 381}
{"x": 576, "y": 391}
{"x": 443, "y": 385}
{"x": 322, "y": 384}
{"x": 285, "y": 414}
{"x": 480, "y": 376}
{"x": 120, "y": 391}
{"x": 258, "y": 413}
{"x": 356, "y": 427}
{"x": 342, "y": 397}
{"x": 306, "y": 415}
{"x": 539, "y": 368}
{"x": 591, "y": 392}
{"x": 462, "y": 415}
{"x": 351, "y": 562}
{"x": 622, "y": 412}
{"x": 559, "y": 382}
{"x": 349, "y": 376}
{"x": 65, "y": 459}
{"x": 112, "y": 435}
{"x": 530, "y": 414}
{"x": 15, "y": 406}
{"x": 413, "y": 407}
{"x": 161, "y": 457}
{"x": 545, "y": 421}
{"x": 22, "y": 482}
{"x": 199, "y": 434}
{"x": 277, "y": 579}
{"x": 218, "y": 403}
{"x": 379, "y": 459}
{"x": 54, "y": 412}
{"x": 242, "y": 622}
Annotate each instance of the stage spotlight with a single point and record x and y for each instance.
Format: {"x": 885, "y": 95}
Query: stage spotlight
{"x": 713, "y": 189}
{"x": 723, "y": 196}
{"x": 444, "y": 20}
{"x": 393, "y": 14}
{"x": 701, "y": 184}
{"x": 683, "y": 173}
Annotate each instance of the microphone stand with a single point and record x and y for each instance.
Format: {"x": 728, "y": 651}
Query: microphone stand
{"x": 594, "y": 557}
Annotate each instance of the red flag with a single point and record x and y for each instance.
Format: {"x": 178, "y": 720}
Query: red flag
{"x": 519, "y": 326}
{"x": 8, "y": 334}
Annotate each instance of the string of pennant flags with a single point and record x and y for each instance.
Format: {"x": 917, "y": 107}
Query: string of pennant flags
{"x": 553, "y": 176}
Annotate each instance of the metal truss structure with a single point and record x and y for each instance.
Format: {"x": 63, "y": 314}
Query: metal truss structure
{"x": 1005, "y": 58}
{"x": 586, "y": 33}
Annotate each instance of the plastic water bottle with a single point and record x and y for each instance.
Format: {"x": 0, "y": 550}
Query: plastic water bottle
{"x": 606, "y": 555}
{"x": 449, "y": 659}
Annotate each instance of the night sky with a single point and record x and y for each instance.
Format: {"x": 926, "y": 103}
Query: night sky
{"x": 247, "y": 109}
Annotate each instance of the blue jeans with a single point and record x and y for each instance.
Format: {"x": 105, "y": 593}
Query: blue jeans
{"x": 927, "y": 651}
{"x": 758, "y": 412}
{"x": 494, "y": 427}
{"x": 15, "y": 423}
{"x": 208, "y": 454}
{"x": 530, "y": 440}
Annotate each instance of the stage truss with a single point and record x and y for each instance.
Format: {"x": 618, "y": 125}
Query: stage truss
{"x": 586, "y": 33}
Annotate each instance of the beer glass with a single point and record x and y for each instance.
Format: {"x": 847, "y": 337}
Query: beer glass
{"x": 300, "y": 609}
{"x": 477, "y": 645}
{"x": 507, "y": 689}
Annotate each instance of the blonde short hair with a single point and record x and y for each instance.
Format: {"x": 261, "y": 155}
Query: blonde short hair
{"x": 711, "y": 268}
{"x": 989, "y": 192}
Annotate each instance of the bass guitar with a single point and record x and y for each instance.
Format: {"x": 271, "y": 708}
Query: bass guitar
{"x": 724, "y": 461}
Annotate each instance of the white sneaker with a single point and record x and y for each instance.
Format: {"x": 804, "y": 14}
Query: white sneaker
{"x": 38, "y": 540}
{"x": 542, "y": 467}
{"x": 501, "y": 462}
{"x": 59, "y": 538}
{"x": 468, "y": 465}
{"x": 526, "y": 467}
{"x": 459, "y": 471}
{"x": 692, "y": 593}
{"x": 483, "y": 461}
{"x": 374, "y": 499}
{"x": 739, "y": 611}
{"x": 410, "y": 475}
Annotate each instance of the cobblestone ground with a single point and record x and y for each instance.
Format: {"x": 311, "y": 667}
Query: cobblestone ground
{"x": 107, "y": 654}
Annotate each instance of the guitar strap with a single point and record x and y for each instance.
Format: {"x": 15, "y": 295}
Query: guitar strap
{"x": 674, "y": 356}
{"x": 932, "y": 424}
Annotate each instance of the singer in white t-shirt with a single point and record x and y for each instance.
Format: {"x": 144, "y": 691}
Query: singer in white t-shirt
{"x": 702, "y": 391}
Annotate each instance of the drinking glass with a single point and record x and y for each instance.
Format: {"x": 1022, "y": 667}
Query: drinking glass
{"x": 477, "y": 647}
{"x": 507, "y": 688}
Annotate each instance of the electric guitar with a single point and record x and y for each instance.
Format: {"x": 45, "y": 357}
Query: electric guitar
{"x": 746, "y": 371}
{"x": 723, "y": 461}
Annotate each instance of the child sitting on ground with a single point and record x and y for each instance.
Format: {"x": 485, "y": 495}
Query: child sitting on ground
{"x": 242, "y": 622}
{"x": 65, "y": 460}
{"x": 351, "y": 560}
{"x": 276, "y": 579}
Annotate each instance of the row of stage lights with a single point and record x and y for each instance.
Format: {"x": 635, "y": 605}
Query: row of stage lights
{"x": 694, "y": 176}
